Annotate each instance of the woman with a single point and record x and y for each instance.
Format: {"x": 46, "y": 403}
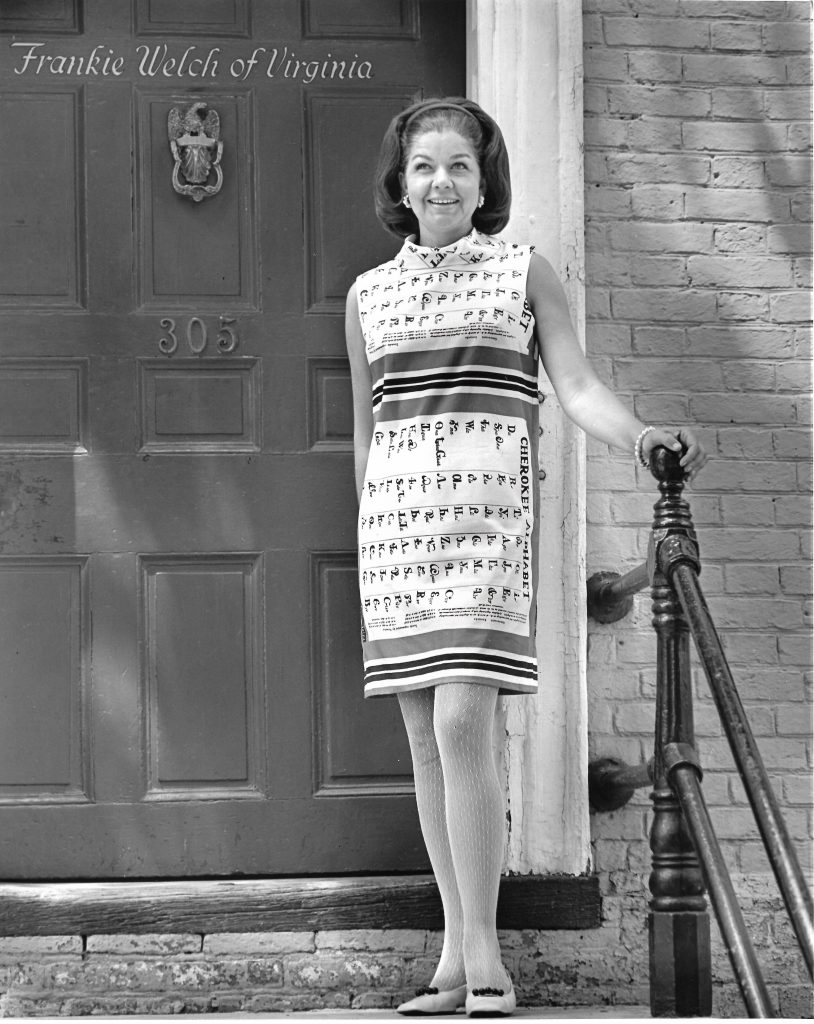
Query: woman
{"x": 444, "y": 342}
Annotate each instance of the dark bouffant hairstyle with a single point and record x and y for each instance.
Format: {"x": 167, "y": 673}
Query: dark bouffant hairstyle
{"x": 471, "y": 122}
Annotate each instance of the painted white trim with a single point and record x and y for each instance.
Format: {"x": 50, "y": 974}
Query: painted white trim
{"x": 524, "y": 66}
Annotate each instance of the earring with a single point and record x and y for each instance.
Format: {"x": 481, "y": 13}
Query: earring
{"x": 406, "y": 200}
{"x": 481, "y": 201}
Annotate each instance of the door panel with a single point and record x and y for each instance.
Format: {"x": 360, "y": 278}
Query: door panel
{"x": 45, "y": 232}
{"x": 180, "y": 667}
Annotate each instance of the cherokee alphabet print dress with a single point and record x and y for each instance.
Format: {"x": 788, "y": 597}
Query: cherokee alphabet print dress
{"x": 447, "y": 525}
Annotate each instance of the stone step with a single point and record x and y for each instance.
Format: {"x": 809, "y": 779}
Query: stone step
{"x": 522, "y": 1013}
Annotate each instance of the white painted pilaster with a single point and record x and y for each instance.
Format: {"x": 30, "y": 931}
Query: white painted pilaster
{"x": 524, "y": 66}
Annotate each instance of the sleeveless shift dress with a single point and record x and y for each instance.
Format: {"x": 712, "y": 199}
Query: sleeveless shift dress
{"x": 447, "y": 517}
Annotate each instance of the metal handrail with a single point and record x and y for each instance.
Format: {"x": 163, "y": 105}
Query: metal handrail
{"x": 684, "y": 776}
{"x": 686, "y": 853}
{"x": 772, "y": 827}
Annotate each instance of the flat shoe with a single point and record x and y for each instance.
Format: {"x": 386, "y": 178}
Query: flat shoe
{"x": 429, "y": 1002}
{"x": 490, "y": 1002}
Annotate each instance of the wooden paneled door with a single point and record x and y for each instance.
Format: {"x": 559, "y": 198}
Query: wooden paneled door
{"x": 180, "y": 675}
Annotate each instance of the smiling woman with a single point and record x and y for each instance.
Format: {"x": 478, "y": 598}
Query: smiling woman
{"x": 442, "y": 183}
{"x": 444, "y": 342}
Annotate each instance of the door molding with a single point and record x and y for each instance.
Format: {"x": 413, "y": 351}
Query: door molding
{"x": 524, "y": 65}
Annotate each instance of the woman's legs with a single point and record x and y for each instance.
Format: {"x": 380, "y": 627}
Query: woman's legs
{"x": 461, "y": 809}
{"x": 464, "y": 718}
{"x": 417, "y": 709}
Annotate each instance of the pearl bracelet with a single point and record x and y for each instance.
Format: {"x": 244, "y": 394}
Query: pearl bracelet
{"x": 637, "y": 448}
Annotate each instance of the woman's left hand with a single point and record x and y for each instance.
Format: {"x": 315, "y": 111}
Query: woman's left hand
{"x": 693, "y": 459}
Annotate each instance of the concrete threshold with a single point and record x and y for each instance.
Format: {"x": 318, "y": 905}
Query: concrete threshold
{"x": 370, "y": 1016}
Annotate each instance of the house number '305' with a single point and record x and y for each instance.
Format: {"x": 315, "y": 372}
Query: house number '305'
{"x": 197, "y": 335}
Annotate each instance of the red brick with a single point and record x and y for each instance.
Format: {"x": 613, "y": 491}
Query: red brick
{"x": 752, "y": 579}
{"x": 664, "y": 33}
{"x": 740, "y": 442}
{"x": 592, "y": 28}
{"x": 657, "y": 202}
{"x": 784, "y": 36}
{"x": 744, "y": 103}
{"x": 611, "y": 475}
{"x": 740, "y": 238}
{"x": 793, "y": 238}
{"x": 745, "y": 510}
{"x": 772, "y": 684}
{"x": 636, "y": 168}
{"x": 663, "y": 304}
{"x": 655, "y": 341}
{"x": 606, "y": 268}
{"x": 758, "y": 342}
{"x": 754, "y": 612}
{"x": 788, "y": 754}
{"x": 669, "y": 374}
{"x": 804, "y": 273}
{"x": 608, "y": 202}
{"x": 594, "y": 98}
{"x": 790, "y": 307}
{"x": 749, "y": 69}
{"x": 601, "y": 63}
{"x": 798, "y": 789}
{"x": 660, "y": 100}
{"x": 735, "y": 35}
{"x": 672, "y": 408}
{"x": 788, "y": 104}
{"x": 735, "y": 204}
{"x": 595, "y": 167}
{"x": 741, "y": 543}
{"x": 640, "y": 236}
{"x": 802, "y": 338}
{"x": 613, "y": 339}
{"x": 731, "y": 476}
{"x": 647, "y": 66}
{"x": 738, "y": 171}
{"x": 635, "y": 718}
{"x": 742, "y": 306}
{"x": 792, "y": 444}
{"x": 654, "y": 134}
{"x": 739, "y": 272}
{"x": 798, "y": 70}
{"x": 766, "y": 409}
{"x": 789, "y": 170}
{"x": 799, "y": 137}
{"x": 604, "y": 132}
{"x": 748, "y": 375}
{"x": 737, "y": 10}
{"x": 796, "y": 579}
{"x": 791, "y": 723}
{"x": 735, "y": 136}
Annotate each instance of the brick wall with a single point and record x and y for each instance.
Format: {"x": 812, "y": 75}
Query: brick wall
{"x": 698, "y": 235}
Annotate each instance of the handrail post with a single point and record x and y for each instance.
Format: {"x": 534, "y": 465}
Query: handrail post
{"x": 678, "y": 921}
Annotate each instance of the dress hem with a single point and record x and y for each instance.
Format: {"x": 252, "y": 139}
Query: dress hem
{"x": 393, "y": 689}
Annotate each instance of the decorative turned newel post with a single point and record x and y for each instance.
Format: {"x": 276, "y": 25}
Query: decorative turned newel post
{"x": 679, "y": 932}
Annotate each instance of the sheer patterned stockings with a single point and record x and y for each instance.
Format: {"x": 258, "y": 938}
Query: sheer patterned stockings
{"x": 461, "y": 809}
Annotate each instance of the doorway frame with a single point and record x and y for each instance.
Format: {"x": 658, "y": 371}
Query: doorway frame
{"x": 524, "y": 66}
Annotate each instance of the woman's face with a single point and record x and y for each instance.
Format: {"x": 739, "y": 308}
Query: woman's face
{"x": 442, "y": 178}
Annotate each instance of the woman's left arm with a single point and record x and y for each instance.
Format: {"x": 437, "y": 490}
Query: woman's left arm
{"x": 582, "y": 395}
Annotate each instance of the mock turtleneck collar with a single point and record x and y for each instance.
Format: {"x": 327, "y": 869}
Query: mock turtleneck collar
{"x": 472, "y": 248}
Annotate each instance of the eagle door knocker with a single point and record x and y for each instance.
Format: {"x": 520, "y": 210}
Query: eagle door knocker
{"x": 196, "y": 149}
